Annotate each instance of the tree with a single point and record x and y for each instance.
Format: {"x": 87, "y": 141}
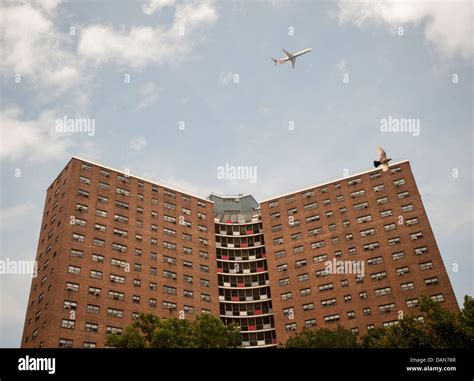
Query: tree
{"x": 149, "y": 331}
{"x": 210, "y": 332}
{"x": 441, "y": 328}
{"x": 323, "y": 338}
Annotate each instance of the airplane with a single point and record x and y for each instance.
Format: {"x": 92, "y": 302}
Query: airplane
{"x": 290, "y": 57}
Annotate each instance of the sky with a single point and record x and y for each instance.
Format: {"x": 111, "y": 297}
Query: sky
{"x": 178, "y": 90}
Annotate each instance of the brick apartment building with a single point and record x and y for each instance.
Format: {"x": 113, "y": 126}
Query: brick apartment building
{"x": 113, "y": 245}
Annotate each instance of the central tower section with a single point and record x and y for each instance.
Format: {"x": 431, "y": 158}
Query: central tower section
{"x": 244, "y": 286}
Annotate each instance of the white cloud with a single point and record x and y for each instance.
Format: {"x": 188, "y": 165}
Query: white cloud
{"x": 141, "y": 45}
{"x": 33, "y": 48}
{"x": 226, "y": 77}
{"x": 156, "y": 5}
{"x": 137, "y": 144}
{"x": 447, "y": 25}
{"x": 34, "y": 139}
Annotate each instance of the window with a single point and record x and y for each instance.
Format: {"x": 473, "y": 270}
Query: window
{"x": 360, "y": 206}
{"x": 371, "y": 246}
{"x": 116, "y": 295}
{"x": 383, "y": 291}
{"x": 390, "y": 227}
{"x": 363, "y": 219}
{"x": 76, "y": 253}
{"x": 382, "y": 200}
{"x": 116, "y": 330}
{"x": 280, "y": 254}
{"x": 317, "y": 245}
{"x": 399, "y": 182}
{"x": 426, "y": 266}
{"x": 300, "y": 263}
{"x": 101, "y": 213}
{"x": 403, "y": 270}
{"x": 378, "y": 188}
{"x": 312, "y": 218}
{"x": 96, "y": 274}
{"x": 415, "y": 236}
{"x": 398, "y": 255}
{"x": 273, "y": 204}
{"x": 374, "y": 261}
{"x": 284, "y": 281}
{"x": 403, "y": 195}
{"x": 74, "y": 270}
{"x": 412, "y": 303}
{"x": 68, "y": 324}
{"x": 411, "y": 221}
{"x": 70, "y": 305}
{"x": 393, "y": 241}
{"x": 308, "y": 307}
{"x": 354, "y": 181}
{"x": 287, "y": 296}
{"x": 123, "y": 192}
{"x": 331, "y": 318}
{"x": 290, "y": 327}
{"x": 431, "y": 281}
{"x": 303, "y": 277}
{"x": 358, "y": 193}
{"x": 283, "y": 267}
{"x": 93, "y": 309}
{"x": 378, "y": 275}
{"x": 292, "y": 211}
{"x": 305, "y": 291}
{"x": 117, "y": 279}
{"x": 320, "y": 258}
{"x": 407, "y": 208}
{"x": 351, "y": 315}
{"x": 367, "y": 311}
{"x": 98, "y": 242}
{"x": 367, "y": 232}
{"x": 383, "y": 308}
{"x": 78, "y": 237}
{"x": 136, "y": 299}
{"x": 308, "y": 194}
{"x": 407, "y": 286}
{"x": 120, "y": 218}
{"x": 328, "y": 302}
{"x": 437, "y": 297}
{"x": 72, "y": 286}
{"x": 326, "y": 287}
{"x": 100, "y": 227}
{"x": 421, "y": 250}
{"x": 385, "y": 213}
{"x": 92, "y": 327}
{"x": 114, "y": 312}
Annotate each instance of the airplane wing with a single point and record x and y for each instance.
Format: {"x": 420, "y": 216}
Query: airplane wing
{"x": 293, "y": 61}
{"x": 288, "y": 54}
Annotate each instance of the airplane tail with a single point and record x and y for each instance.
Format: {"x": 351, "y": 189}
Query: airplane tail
{"x": 377, "y": 163}
{"x": 274, "y": 61}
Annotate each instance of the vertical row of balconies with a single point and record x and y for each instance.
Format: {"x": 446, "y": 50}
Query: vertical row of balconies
{"x": 244, "y": 291}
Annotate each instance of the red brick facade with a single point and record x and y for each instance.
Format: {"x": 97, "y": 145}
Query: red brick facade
{"x": 112, "y": 246}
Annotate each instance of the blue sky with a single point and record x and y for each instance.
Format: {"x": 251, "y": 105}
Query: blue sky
{"x": 404, "y": 60}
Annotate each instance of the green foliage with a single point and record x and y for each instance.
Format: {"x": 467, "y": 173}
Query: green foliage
{"x": 149, "y": 331}
{"x": 441, "y": 328}
{"x": 323, "y": 338}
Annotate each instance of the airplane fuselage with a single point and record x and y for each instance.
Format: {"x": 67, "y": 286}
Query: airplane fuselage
{"x": 291, "y": 57}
